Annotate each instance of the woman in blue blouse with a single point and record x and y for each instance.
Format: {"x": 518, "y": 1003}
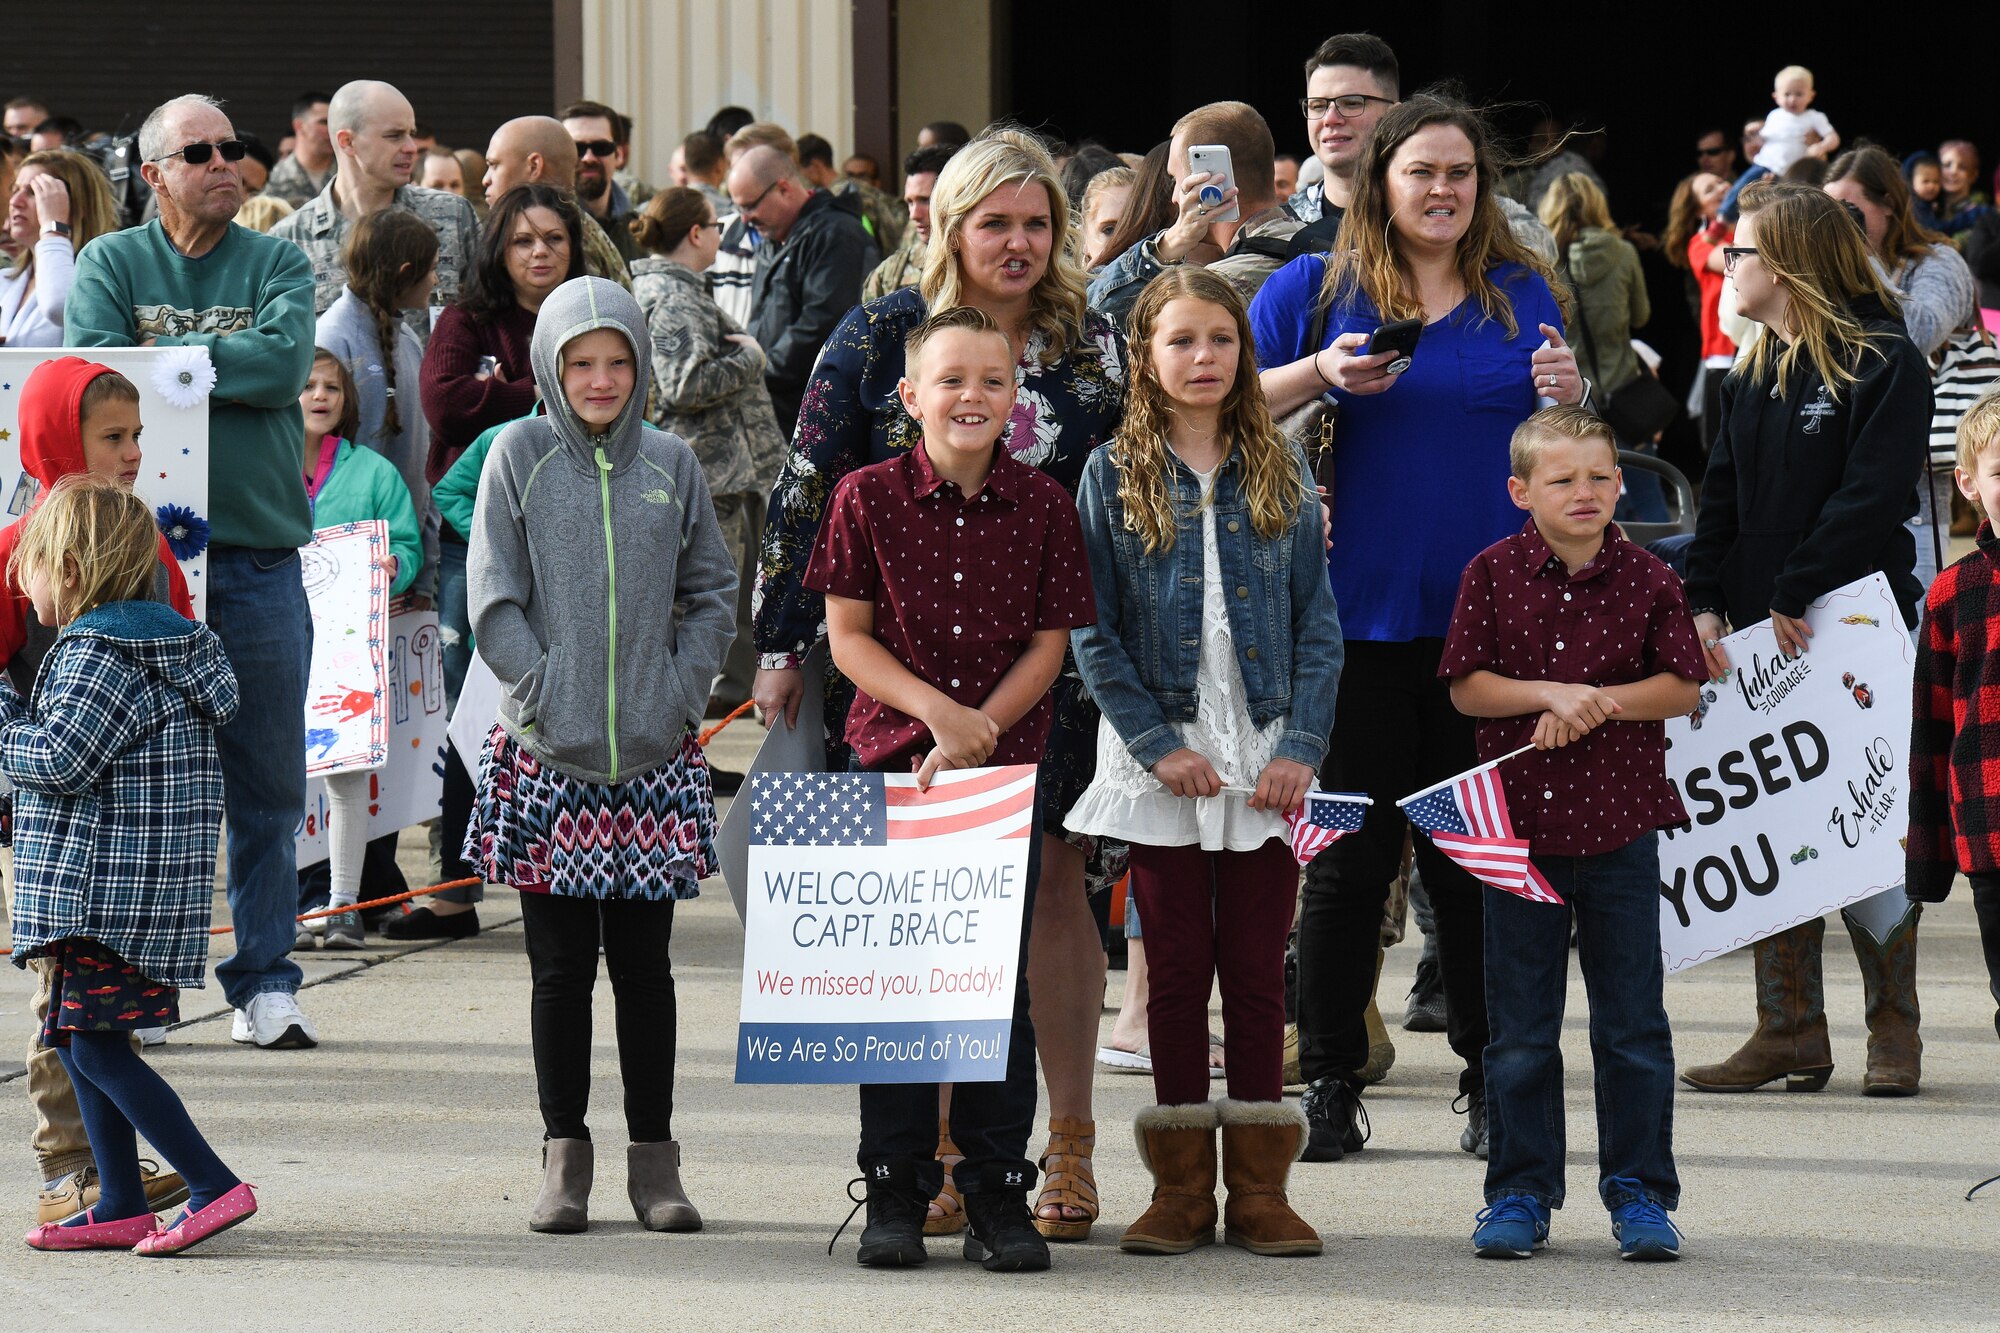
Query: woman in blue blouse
{"x": 1001, "y": 241}
{"x": 1419, "y": 487}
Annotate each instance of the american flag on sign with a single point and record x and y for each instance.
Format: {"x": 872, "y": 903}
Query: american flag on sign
{"x": 1466, "y": 819}
{"x": 1324, "y": 818}
{"x": 876, "y": 809}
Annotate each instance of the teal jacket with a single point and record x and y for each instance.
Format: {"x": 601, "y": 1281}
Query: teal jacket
{"x": 458, "y": 489}
{"x": 364, "y": 485}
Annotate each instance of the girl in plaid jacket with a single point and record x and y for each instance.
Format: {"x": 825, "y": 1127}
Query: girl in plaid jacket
{"x": 118, "y": 799}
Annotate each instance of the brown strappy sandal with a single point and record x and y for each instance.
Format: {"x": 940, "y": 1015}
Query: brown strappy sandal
{"x": 1068, "y": 1180}
{"x": 947, "y": 1215}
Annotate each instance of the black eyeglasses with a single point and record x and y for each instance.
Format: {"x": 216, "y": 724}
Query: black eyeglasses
{"x": 747, "y": 209}
{"x": 1732, "y": 253}
{"x": 232, "y": 150}
{"x": 1349, "y": 105}
{"x": 598, "y": 148}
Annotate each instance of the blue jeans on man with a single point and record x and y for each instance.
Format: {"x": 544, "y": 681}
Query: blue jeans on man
{"x": 257, "y": 606}
{"x": 1616, "y": 899}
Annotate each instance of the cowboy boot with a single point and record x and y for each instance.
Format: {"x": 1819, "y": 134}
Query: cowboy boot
{"x": 566, "y": 1175}
{"x": 1790, "y": 1042}
{"x": 1889, "y": 986}
{"x": 1260, "y": 1141}
{"x": 1176, "y": 1144}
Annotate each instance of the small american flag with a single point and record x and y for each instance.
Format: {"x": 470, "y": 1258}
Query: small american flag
{"x": 876, "y": 809}
{"x": 1466, "y": 819}
{"x": 1324, "y": 818}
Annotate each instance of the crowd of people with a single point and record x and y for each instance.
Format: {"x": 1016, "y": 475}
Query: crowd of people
{"x": 1067, "y": 457}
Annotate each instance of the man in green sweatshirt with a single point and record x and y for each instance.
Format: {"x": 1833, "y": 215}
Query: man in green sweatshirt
{"x": 195, "y": 279}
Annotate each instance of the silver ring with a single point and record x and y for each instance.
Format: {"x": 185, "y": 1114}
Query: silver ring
{"x": 1201, "y": 210}
{"x": 1710, "y": 643}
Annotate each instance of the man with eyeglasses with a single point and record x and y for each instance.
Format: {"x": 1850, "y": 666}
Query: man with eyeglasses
{"x": 373, "y": 131}
{"x": 537, "y": 150}
{"x": 600, "y": 135}
{"x": 812, "y": 255}
{"x": 191, "y": 278}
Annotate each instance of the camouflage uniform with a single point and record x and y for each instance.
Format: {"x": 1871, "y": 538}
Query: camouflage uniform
{"x": 320, "y": 229}
{"x": 291, "y": 183}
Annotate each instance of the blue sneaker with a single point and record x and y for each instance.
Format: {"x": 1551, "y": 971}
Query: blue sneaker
{"x": 1510, "y": 1228}
{"x": 1642, "y": 1228}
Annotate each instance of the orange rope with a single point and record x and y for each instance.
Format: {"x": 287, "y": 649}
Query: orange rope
{"x": 704, "y": 738}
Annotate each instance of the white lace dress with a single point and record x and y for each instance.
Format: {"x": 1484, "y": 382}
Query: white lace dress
{"x": 1127, "y": 802}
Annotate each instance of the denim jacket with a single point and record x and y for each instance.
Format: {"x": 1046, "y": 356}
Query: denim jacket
{"x": 1141, "y": 657}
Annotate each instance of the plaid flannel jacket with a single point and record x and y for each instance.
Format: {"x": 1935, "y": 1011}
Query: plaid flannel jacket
{"x": 119, "y": 789}
{"x": 1955, "y": 728}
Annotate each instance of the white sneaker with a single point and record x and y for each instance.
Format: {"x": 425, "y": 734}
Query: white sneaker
{"x": 274, "y": 1021}
{"x": 149, "y": 1037}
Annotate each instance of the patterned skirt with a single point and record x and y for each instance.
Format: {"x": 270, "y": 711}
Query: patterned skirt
{"x": 540, "y": 830}
{"x": 93, "y": 989}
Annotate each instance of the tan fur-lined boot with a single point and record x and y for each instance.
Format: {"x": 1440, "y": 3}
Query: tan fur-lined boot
{"x": 1260, "y": 1141}
{"x": 1176, "y": 1144}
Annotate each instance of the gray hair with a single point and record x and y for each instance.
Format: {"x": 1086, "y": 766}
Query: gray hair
{"x": 153, "y": 143}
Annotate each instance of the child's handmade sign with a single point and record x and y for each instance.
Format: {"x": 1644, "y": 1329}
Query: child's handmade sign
{"x": 173, "y": 384}
{"x": 347, "y": 588}
{"x": 409, "y": 786}
{"x": 884, "y": 925}
{"x": 1794, "y": 774}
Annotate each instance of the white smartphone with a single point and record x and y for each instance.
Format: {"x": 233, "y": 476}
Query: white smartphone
{"x": 1213, "y": 158}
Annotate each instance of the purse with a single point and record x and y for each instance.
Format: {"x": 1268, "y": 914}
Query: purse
{"x": 1310, "y": 428}
{"x": 1639, "y": 411}
{"x": 1967, "y": 367}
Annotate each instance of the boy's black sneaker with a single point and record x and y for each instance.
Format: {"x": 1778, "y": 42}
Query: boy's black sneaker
{"x": 1336, "y": 1122}
{"x": 896, "y": 1203}
{"x": 1000, "y": 1233}
{"x": 1475, "y": 1138}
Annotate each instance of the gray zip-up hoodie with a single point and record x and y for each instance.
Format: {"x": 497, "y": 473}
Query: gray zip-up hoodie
{"x": 600, "y": 590}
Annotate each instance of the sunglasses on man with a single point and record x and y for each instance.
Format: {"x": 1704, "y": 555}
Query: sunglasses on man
{"x": 602, "y": 149}
{"x": 195, "y": 154}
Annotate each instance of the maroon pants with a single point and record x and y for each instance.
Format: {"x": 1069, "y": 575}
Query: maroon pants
{"x": 1210, "y": 915}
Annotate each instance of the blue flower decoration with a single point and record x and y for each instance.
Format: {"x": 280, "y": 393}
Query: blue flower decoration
{"x": 185, "y": 530}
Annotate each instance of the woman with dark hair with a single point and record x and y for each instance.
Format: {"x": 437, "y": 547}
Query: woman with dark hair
{"x": 1937, "y": 295}
{"x": 1960, "y": 204}
{"x": 477, "y": 376}
{"x": 1086, "y": 161}
{"x": 1810, "y": 486}
{"x": 1422, "y": 460}
{"x": 1149, "y": 209}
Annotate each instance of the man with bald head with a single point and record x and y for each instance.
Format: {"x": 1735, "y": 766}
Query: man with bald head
{"x": 373, "y": 131}
{"x": 812, "y": 254}
{"x": 537, "y": 150}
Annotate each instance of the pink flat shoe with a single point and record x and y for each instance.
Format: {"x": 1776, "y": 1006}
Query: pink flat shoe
{"x": 122, "y": 1234}
{"x": 196, "y": 1227}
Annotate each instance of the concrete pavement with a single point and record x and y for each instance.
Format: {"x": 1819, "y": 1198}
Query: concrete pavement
{"x": 397, "y": 1161}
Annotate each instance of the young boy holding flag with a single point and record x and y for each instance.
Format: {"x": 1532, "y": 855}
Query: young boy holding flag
{"x": 1570, "y": 641}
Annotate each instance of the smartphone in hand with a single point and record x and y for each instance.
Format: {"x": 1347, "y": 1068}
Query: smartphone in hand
{"x": 1213, "y": 158}
{"x": 1399, "y": 337}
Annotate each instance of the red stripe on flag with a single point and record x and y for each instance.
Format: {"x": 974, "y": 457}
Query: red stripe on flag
{"x": 932, "y": 826}
{"x": 902, "y": 793}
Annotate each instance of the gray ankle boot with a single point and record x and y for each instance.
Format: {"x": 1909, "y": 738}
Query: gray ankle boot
{"x": 653, "y": 1182}
{"x": 566, "y": 1173}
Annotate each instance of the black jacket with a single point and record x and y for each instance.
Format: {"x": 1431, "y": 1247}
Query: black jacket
{"x": 804, "y": 288}
{"x": 1805, "y": 494}
{"x": 1982, "y": 255}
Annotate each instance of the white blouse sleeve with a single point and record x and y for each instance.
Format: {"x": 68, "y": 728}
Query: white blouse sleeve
{"x": 55, "y": 270}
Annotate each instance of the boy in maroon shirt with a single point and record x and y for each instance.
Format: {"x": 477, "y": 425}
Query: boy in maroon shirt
{"x": 1571, "y": 637}
{"x": 953, "y": 576}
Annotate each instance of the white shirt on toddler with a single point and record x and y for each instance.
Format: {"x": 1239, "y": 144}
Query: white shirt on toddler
{"x": 1785, "y": 137}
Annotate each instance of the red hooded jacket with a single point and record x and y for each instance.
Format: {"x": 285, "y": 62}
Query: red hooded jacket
{"x": 51, "y": 422}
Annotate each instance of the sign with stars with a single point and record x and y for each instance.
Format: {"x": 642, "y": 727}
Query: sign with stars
{"x": 882, "y": 936}
{"x": 173, "y": 467}
{"x": 347, "y": 690}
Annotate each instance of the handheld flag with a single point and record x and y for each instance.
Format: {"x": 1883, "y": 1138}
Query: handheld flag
{"x": 1322, "y": 820}
{"x": 1466, "y": 819}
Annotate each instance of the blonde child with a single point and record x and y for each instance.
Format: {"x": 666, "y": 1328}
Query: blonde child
{"x": 117, "y": 805}
{"x": 1791, "y": 131}
{"x": 1202, "y": 526}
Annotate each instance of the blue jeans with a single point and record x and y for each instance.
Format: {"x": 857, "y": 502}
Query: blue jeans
{"x": 1729, "y": 211}
{"x": 1616, "y": 897}
{"x": 257, "y": 606}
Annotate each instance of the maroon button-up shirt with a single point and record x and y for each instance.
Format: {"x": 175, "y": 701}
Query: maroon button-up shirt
{"x": 960, "y": 585}
{"x": 1621, "y": 618}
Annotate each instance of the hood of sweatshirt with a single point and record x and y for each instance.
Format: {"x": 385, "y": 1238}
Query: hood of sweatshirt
{"x": 51, "y": 417}
{"x": 180, "y": 654}
{"x": 1593, "y": 256}
{"x": 572, "y": 310}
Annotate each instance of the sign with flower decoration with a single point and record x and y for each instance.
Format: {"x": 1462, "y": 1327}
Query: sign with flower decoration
{"x": 173, "y": 385}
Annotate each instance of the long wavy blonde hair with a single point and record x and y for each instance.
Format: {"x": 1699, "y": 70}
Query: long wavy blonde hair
{"x": 1004, "y": 155}
{"x": 1819, "y": 255}
{"x": 1365, "y": 256}
{"x": 1574, "y": 202}
{"x": 1272, "y": 484}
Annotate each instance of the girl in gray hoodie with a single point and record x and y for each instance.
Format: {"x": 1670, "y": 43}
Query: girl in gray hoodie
{"x": 603, "y": 598}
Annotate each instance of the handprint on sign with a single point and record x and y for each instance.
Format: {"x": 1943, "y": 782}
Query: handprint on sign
{"x": 353, "y": 704}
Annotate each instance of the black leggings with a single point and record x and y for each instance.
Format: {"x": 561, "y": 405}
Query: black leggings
{"x": 1986, "y": 904}
{"x": 562, "y": 936}
{"x": 1394, "y": 732}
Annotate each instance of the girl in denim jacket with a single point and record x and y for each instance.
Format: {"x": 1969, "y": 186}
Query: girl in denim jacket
{"x": 1215, "y": 659}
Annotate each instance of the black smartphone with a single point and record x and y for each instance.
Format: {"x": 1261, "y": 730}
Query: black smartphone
{"x": 1399, "y": 337}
